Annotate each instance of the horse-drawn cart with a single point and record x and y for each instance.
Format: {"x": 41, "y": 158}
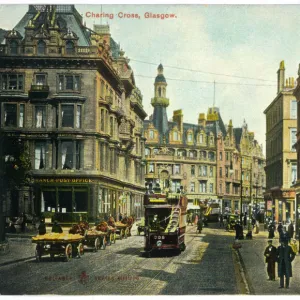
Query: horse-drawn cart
{"x": 64, "y": 245}
{"x": 109, "y": 230}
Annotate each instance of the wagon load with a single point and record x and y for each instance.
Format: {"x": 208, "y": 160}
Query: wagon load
{"x": 103, "y": 226}
{"x": 57, "y": 236}
{"x": 63, "y": 244}
{"x": 108, "y": 230}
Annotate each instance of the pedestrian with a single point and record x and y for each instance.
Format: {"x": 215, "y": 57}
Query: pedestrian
{"x": 56, "y": 228}
{"x": 294, "y": 245}
{"x": 285, "y": 256}
{"x": 23, "y": 224}
{"x": 271, "y": 229}
{"x": 245, "y": 219}
{"x": 284, "y": 235}
{"x": 120, "y": 217}
{"x": 197, "y": 217}
{"x": 291, "y": 230}
{"x": 279, "y": 228}
{"x": 42, "y": 228}
{"x": 189, "y": 219}
{"x": 221, "y": 221}
{"x": 271, "y": 257}
{"x": 199, "y": 225}
{"x": 237, "y": 230}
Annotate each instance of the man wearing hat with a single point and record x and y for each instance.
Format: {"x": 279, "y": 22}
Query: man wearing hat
{"x": 271, "y": 257}
{"x": 56, "y": 228}
{"x": 285, "y": 256}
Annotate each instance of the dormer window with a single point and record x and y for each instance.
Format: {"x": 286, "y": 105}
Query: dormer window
{"x": 41, "y": 48}
{"x": 175, "y": 136}
{"x": 70, "y": 49}
{"x": 13, "y": 48}
{"x": 190, "y": 137}
{"x": 151, "y": 134}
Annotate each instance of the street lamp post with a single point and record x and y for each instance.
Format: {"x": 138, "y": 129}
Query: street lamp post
{"x": 241, "y": 191}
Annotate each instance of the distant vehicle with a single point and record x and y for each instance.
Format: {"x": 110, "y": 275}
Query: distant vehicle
{"x": 165, "y": 220}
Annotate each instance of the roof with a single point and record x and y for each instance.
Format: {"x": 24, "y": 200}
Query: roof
{"x": 160, "y": 78}
{"x": 237, "y": 135}
{"x": 66, "y": 19}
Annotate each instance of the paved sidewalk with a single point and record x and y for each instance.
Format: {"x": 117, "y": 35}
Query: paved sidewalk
{"x": 252, "y": 254}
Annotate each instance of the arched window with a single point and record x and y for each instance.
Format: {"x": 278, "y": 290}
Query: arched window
{"x": 159, "y": 92}
{"x": 70, "y": 49}
{"x": 41, "y": 48}
{"x": 13, "y": 47}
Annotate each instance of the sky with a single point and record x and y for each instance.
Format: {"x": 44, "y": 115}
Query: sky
{"x": 239, "y": 47}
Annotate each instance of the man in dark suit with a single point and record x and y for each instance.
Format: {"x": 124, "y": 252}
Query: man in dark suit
{"x": 291, "y": 230}
{"x": 271, "y": 257}
{"x": 285, "y": 256}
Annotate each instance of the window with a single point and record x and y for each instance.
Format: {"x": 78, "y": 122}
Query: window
{"x": 228, "y": 188}
{"x": 40, "y": 79}
{"x": 40, "y": 155}
{"x": 175, "y": 135}
{"x": 176, "y": 169}
{"x": 147, "y": 151}
{"x": 13, "y": 117}
{"x": 70, "y": 49}
{"x": 67, "y": 83}
{"x": 211, "y": 156}
{"x": 211, "y": 171}
{"x": 71, "y": 113}
{"x": 242, "y": 175}
{"x": 220, "y": 156}
{"x": 204, "y": 171}
{"x": 211, "y": 187}
{"x": 203, "y": 154}
{"x": 41, "y": 48}
{"x": 11, "y": 82}
{"x": 220, "y": 188}
{"x": 294, "y": 173}
{"x": 102, "y": 88}
{"x": 190, "y": 137}
{"x": 68, "y": 155}
{"x": 220, "y": 171}
{"x": 226, "y": 172}
{"x": 40, "y": 116}
{"x": 111, "y": 126}
{"x": 67, "y": 115}
{"x": 201, "y": 138}
{"x": 293, "y": 138}
{"x": 193, "y": 170}
{"x": 192, "y": 187}
{"x": 151, "y": 134}
{"x": 102, "y": 120}
{"x": 151, "y": 168}
{"x": 191, "y": 154}
{"x": 13, "y": 47}
{"x": 227, "y": 156}
{"x": 202, "y": 187}
{"x": 176, "y": 185}
{"x": 293, "y": 109}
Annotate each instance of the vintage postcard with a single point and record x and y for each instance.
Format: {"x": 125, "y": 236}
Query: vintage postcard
{"x": 149, "y": 149}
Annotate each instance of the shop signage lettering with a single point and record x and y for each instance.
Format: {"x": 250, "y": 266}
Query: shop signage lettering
{"x": 63, "y": 180}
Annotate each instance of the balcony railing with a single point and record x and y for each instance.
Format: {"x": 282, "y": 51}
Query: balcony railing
{"x": 109, "y": 99}
{"x": 38, "y": 91}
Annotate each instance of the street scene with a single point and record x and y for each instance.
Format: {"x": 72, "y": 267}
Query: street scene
{"x": 149, "y": 149}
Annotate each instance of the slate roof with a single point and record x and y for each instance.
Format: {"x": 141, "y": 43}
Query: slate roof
{"x": 65, "y": 20}
{"x": 160, "y": 78}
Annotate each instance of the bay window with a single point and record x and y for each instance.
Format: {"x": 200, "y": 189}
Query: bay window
{"x": 69, "y": 83}
{"x": 11, "y": 82}
{"x": 71, "y": 115}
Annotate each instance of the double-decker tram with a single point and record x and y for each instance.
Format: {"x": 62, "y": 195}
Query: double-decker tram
{"x": 165, "y": 220}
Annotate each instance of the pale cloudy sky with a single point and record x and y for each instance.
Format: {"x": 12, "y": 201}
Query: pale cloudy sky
{"x": 240, "y": 40}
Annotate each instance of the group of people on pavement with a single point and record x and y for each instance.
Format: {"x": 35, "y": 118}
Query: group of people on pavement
{"x": 283, "y": 255}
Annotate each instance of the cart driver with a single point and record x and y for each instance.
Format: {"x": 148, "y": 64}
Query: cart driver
{"x": 56, "y": 228}
{"x": 155, "y": 223}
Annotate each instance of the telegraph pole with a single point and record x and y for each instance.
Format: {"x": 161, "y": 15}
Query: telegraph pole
{"x": 241, "y": 191}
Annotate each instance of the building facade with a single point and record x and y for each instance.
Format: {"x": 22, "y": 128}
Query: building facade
{"x": 69, "y": 93}
{"x": 281, "y": 156}
{"x": 204, "y": 158}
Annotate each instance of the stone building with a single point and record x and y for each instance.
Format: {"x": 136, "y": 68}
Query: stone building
{"x": 70, "y": 94}
{"x": 281, "y": 156}
{"x": 204, "y": 158}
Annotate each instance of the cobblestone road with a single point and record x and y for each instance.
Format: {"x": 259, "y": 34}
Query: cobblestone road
{"x": 206, "y": 268}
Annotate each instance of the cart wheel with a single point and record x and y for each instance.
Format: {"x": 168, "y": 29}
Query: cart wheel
{"x": 126, "y": 233}
{"x": 182, "y": 247}
{"x": 38, "y": 254}
{"x": 97, "y": 244}
{"x": 103, "y": 246}
{"x": 80, "y": 250}
{"x": 68, "y": 252}
{"x": 111, "y": 237}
